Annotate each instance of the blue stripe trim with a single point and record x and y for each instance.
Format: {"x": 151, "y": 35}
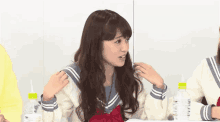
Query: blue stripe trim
{"x": 116, "y": 96}
{"x": 50, "y": 109}
{"x": 201, "y": 113}
{"x": 49, "y": 106}
{"x": 213, "y": 69}
{"x": 113, "y": 106}
{"x": 73, "y": 71}
{"x": 158, "y": 93}
{"x": 48, "y": 102}
{"x": 71, "y": 76}
{"x": 205, "y": 112}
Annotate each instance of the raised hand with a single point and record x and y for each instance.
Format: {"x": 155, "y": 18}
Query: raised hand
{"x": 146, "y": 71}
{"x": 56, "y": 83}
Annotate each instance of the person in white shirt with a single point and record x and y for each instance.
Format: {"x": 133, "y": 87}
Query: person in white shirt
{"x": 101, "y": 85}
{"x": 205, "y": 82}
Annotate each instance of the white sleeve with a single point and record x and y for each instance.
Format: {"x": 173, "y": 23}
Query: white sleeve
{"x": 152, "y": 106}
{"x": 61, "y": 107}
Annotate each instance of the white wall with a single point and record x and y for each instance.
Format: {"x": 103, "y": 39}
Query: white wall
{"x": 174, "y": 36}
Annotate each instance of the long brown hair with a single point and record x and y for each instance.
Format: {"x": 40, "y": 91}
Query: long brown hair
{"x": 102, "y": 25}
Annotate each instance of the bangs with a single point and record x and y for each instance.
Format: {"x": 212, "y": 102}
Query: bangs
{"x": 114, "y": 24}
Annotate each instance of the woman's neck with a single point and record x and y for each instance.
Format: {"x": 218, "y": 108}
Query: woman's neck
{"x": 109, "y": 71}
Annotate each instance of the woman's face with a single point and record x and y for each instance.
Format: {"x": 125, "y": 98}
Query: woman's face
{"x": 115, "y": 51}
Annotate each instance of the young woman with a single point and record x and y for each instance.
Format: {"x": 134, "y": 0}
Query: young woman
{"x": 101, "y": 85}
{"x": 204, "y": 82}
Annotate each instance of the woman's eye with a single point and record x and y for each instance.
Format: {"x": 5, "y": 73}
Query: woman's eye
{"x": 118, "y": 41}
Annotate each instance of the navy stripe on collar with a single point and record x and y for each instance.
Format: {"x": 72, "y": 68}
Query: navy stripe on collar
{"x": 215, "y": 68}
{"x": 73, "y": 71}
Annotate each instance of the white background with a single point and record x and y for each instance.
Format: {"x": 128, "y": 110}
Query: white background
{"x": 41, "y": 37}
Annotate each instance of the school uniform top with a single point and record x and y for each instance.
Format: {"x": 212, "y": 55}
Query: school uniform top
{"x": 205, "y": 81}
{"x": 10, "y": 98}
{"x": 62, "y": 106}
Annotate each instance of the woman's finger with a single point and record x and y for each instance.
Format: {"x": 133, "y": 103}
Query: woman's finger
{"x": 140, "y": 69}
{"x": 61, "y": 74}
{"x": 65, "y": 82}
{"x": 64, "y": 77}
{"x": 140, "y": 74}
{"x": 143, "y": 65}
{"x": 57, "y": 73}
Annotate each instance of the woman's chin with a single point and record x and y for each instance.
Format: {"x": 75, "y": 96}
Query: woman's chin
{"x": 120, "y": 65}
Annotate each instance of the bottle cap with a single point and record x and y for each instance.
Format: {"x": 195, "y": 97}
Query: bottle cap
{"x": 181, "y": 85}
{"x": 32, "y": 95}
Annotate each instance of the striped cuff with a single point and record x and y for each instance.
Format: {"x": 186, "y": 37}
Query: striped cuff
{"x": 158, "y": 93}
{"x": 49, "y": 106}
{"x": 205, "y": 112}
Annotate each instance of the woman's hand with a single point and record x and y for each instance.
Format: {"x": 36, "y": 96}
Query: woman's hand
{"x": 147, "y": 72}
{"x": 56, "y": 83}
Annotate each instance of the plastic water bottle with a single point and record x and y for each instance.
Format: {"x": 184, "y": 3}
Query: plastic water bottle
{"x": 181, "y": 103}
{"x": 32, "y": 110}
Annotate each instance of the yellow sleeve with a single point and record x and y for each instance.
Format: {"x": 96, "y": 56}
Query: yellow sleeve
{"x": 10, "y": 99}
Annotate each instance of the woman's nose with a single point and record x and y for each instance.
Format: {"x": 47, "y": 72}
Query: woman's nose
{"x": 125, "y": 46}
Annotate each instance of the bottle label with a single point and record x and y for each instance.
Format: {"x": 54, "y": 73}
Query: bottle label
{"x": 32, "y": 118}
{"x": 181, "y": 109}
{"x": 182, "y": 102}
